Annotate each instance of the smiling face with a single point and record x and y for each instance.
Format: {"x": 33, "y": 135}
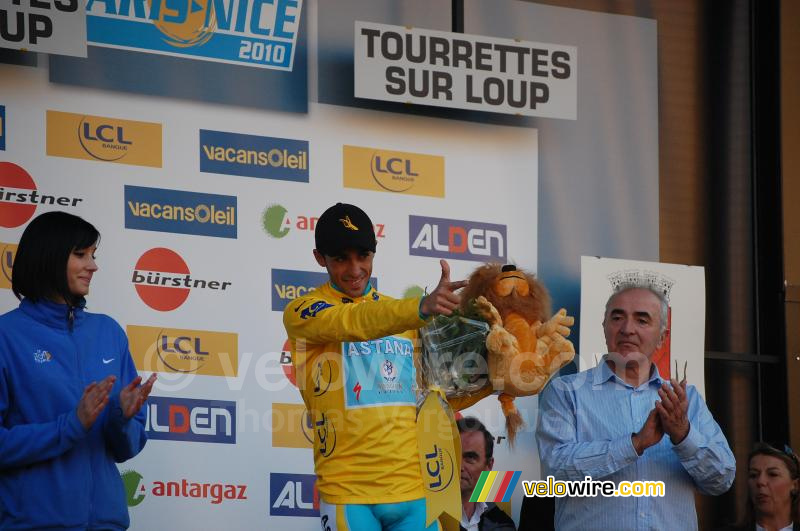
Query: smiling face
{"x": 80, "y": 268}
{"x": 350, "y": 271}
{"x": 770, "y": 486}
{"x": 632, "y": 324}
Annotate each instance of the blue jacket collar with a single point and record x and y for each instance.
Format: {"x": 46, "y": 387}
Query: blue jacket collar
{"x": 54, "y": 314}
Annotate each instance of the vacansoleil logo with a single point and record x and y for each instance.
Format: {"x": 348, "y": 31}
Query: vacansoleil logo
{"x": 495, "y": 486}
{"x": 253, "y": 156}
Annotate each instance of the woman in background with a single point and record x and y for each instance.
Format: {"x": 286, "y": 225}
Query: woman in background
{"x": 70, "y": 397}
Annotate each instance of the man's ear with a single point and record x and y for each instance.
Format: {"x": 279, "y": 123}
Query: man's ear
{"x": 319, "y": 257}
{"x": 662, "y": 338}
{"x": 490, "y": 463}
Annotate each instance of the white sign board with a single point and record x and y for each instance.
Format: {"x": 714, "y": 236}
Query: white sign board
{"x": 684, "y": 287}
{"x": 49, "y": 26}
{"x": 411, "y": 65}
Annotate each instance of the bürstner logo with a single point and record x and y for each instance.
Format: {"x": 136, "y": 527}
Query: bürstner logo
{"x": 19, "y": 196}
{"x": 163, "y": 280}
{"x": 181, "y": 212}
{"x": 253, "y": 156}
{"x": 457, "y": 239}
{"x": 80, "y": 136}
{"x": 293, "y": 495}
{"x": 260, "y": 34}
{"x": 189, "y": 419}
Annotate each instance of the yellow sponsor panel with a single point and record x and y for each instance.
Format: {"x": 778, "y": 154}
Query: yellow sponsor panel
{"x": 291, "y": 426}
{"x": 393, "y": 171}
{"x": 7, "y": 253}
{"x": 82, "y": 136}
{"x": 175, "y": 350}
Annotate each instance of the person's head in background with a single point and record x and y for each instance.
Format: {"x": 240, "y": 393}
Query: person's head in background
{"x": 55, "y": 259}
{"x": 477, "y": 449}
{"x": 773, "y": 481}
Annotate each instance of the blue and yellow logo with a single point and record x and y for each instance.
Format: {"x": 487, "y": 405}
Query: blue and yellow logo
{"x": 2, "y": 128}
{"x": 264, "y": 157}
{"x": 262, "y": 33}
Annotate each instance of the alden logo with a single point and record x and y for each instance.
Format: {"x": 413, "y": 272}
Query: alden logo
{"x": 293, "y": 495}
{"x": 288, "y": 284}
{"x": 393, "y": 171}
{"x": 191, "y": 420}
{"x": 7, "y": 253}
{"x": 261, "y": 33}
{"x": 163, "y": 281}
{"x": 176, "y": 350}
{"x": 291, "y": 426}
{"x": 253, "y": 156}
{"x": 19, "y": 196}
{"x": 180, "y": 212}
{"x": 79, "y": 136}
{"x": 276, "y": 222}
{"x": 457, "y": 239}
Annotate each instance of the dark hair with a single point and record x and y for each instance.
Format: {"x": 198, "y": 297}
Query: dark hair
{"x": 40, "y": 265}
{"x": 467, "y": 424}
{"x": 792, "y": 465}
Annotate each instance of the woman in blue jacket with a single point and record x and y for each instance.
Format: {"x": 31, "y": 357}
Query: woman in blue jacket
{"x": 70, "y": 398}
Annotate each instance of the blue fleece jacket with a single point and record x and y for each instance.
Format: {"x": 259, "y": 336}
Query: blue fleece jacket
{"x": 53, "y": 473}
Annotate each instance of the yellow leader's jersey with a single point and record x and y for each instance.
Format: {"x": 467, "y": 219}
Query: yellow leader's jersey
{"x": 354, "y": 361}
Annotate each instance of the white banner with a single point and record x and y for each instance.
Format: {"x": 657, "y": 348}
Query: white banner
{"x": 57, "y": 26}
{"x": 684, "y": 287}
{"x": 412, "y": 65}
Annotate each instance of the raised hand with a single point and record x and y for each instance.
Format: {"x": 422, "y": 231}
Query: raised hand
{"x": 133, "y": 395}
{"x": 442, "y": 300}
{"x": 672, "y": 410}
{"x": 93, "y": 401}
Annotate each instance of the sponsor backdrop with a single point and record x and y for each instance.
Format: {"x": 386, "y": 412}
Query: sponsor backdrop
{"x": 205, "y": 175}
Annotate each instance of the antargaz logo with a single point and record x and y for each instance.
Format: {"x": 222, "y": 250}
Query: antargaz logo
{"x": 177, "y": 350}
{"x": 135, "y": 491}
{"x": 293, "y": 495}
{"x": 393, "y": 171}
{"x": 261, "y": 33}
{"x": 163, "y": 281}
{"x": 7, "y": 253}
{"x": 86, "y": 137}
{"x": 277, "y": 223}
{"x": 457, "y": 239}
{"x": 19, "y": 196}
{"x": 253, "y": 156}
{"x": 181, "y": 212}
{"x": 192, "y": 420}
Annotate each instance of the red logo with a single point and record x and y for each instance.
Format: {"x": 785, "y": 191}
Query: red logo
{"x": 17, "y": 206}
{"x": 162, "y": 279}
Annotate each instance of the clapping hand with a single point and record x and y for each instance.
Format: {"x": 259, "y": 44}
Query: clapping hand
{"x": 133, "y": 395}
{"x": 94, "y": 400}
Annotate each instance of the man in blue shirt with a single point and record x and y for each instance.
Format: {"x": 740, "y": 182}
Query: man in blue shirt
{"x": 620, "y": 421}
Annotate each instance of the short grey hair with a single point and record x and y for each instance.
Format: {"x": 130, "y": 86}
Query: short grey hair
{"x": 640, "y": 284}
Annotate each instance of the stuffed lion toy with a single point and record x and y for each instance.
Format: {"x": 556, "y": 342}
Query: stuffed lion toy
{"x": 525, "y": 348}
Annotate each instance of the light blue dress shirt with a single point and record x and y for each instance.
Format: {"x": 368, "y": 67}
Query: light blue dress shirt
{"x": 584, "y": 429}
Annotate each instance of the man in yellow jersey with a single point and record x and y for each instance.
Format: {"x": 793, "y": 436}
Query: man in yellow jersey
{"x": 353, "y": 352}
